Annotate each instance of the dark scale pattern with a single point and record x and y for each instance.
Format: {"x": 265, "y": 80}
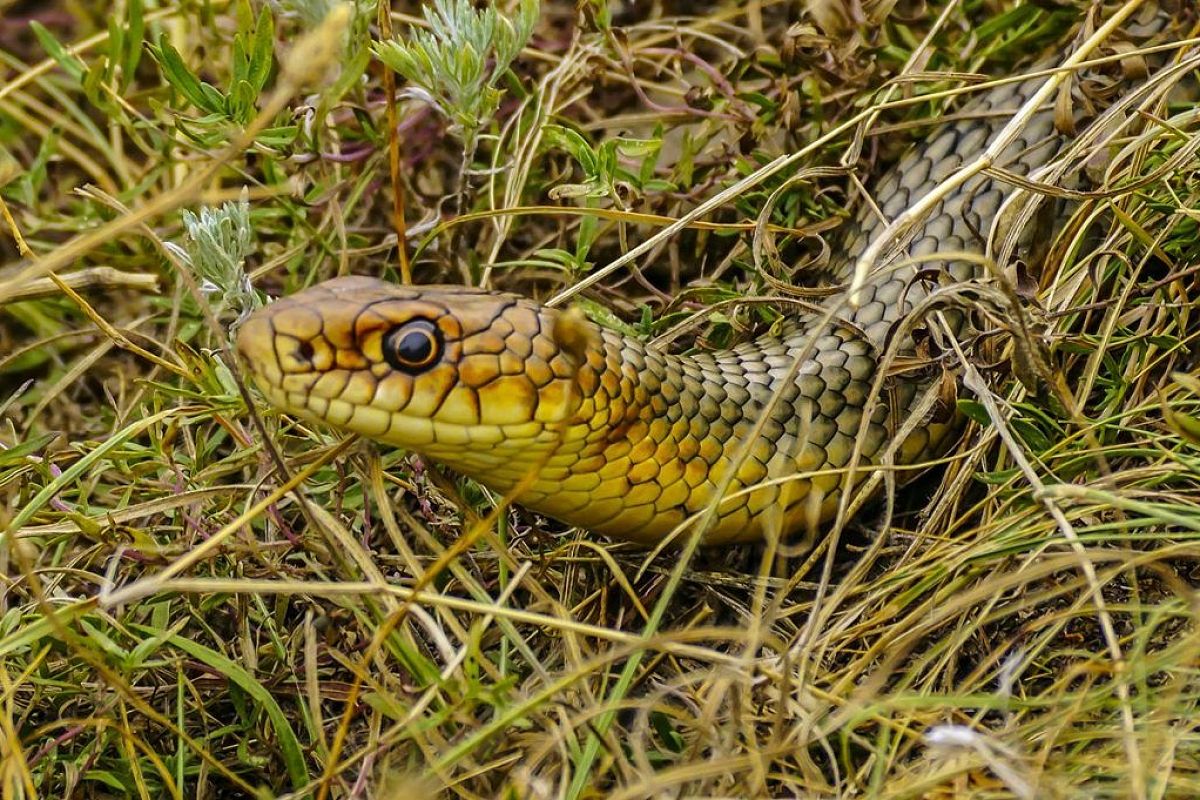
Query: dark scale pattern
{"x": 599, "y": 431}
{"x": 961, "y": 222}
{"x": 666, "y": 459}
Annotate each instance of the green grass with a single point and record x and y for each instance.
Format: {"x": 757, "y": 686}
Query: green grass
{"x": 200, "y": 598}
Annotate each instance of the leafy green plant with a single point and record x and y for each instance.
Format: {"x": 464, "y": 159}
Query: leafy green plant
{"x": 450, "y": 59}
{"x": 219, "y": 239}
{"x": 252, "y": 60}
{"x": 460, "y": 60}
{"x": 601, "y": 167}
{"x": 603, "y": 175}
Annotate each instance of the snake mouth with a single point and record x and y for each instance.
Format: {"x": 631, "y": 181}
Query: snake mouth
{"x": 301, "y": 377}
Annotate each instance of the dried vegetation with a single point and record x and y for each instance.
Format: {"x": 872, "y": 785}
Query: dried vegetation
{"x": 184, "y": 615}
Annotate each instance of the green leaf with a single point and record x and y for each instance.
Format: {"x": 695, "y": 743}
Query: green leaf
{"x": 658, "y": 185}
{"x": 589, "y": 229}
{"x": 239, "y": 63}
{"x": 759, "y": 99}
{"x": 386, "y": 704}
{"x": 606, "y": 161}
{"x": 646, "y": 172}
{"x": 602, "y": 315}
{"x": 670, "y": 737}
{"x": 1031, "y": 435}
{"x": 213, "y": 95}
{"x": 997, "y": 478}
{"x": 18, "y": 452}
{"x": 557, "y": 255}
{"x": 110, "y": 780}
{"x": 1009, "y": 21}
{"x": 632, "y": 148}
{"x": 73, "y": 66}
{"x": 279, "y": 137}
{"x": 116, "y": 45}
{"x": 1163, "y": 341}
{"x": 289, "y": 744}
{"x": 349, "y": 77}
{"x": 134, "y": 42}
{"x": 1185, "y": 425}
{"x": 243, "y": 15}
{"x": 975, "y": 412}
{"x": 204, "y": 131}
{"x": 93, "y": 88}
{"x": 573, "y": 142}
{"x": 240, "y": 102}
{"x": 72, "y": 473}
{"x": 181, "y": 78}
{"x": 42, "y": 626}
{"x": 262, "y": 50}
{"x": 103, "y": 641}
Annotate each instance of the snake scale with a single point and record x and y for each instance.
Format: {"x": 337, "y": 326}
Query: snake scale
{"x": 605, "y": 433}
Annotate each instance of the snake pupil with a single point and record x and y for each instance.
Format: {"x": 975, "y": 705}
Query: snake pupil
{"x": 415, "y": 347}
{"x": 412, "y": 347}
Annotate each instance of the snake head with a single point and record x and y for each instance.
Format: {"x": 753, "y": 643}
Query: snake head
{"x": 465, "y": 376}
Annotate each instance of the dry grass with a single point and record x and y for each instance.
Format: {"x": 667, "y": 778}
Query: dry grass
{"x": 184, "y": 615}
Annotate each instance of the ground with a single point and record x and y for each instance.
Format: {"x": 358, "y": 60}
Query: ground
{"x": 203, "y": 598}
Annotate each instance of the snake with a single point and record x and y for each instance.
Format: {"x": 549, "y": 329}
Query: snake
{"x": 600, "y": 430}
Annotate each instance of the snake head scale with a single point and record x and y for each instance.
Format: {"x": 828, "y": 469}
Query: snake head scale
{"x": 471, "y": 378}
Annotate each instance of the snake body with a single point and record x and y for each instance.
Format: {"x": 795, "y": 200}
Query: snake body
{"x": 603, "y": 432}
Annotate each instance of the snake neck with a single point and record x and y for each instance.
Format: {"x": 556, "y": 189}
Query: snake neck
{"x": 778, "y": 429}
{"x": 656, "y": 437}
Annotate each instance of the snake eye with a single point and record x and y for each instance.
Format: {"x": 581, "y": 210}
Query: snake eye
{"x": 412, "y": 347}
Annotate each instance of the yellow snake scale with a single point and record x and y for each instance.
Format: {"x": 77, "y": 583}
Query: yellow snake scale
{"x": 624, "y": 440}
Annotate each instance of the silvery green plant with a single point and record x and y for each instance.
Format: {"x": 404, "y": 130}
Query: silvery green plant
{"x": 218, "y": 241}
{"x": 312, "y": 12}
{"x": 460, "y": 57}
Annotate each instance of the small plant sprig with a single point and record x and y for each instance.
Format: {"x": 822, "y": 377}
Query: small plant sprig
{"x": 603, "y": 178}
{"x": 459, "y": 60}
{"x": 218, "y": 241}
{"x": 253, "y": 58}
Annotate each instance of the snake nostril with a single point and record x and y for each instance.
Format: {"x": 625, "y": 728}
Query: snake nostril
{"x": 305, "y": 350}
